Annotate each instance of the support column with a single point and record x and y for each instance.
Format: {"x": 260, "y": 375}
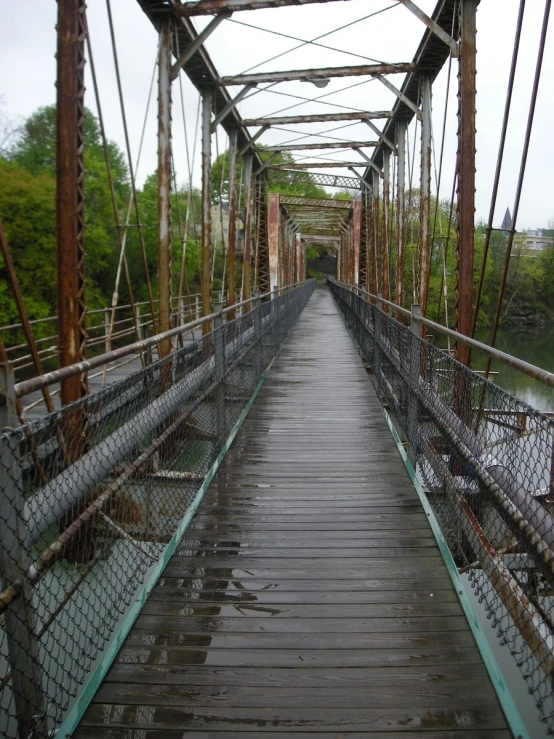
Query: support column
{"x": 300, "y": 277}
{"x": 70, "y": 216}
{"x": 425, "y": 196}
{"x": 357, "y": 236}
{"x": 262, "y": 255}
{"x": 386, "y": 227}
{"x": 247, "y": 253}
{"x": 376, "y": 283}
{"x": 466, "y": 177}
{"x": 364, "y": 240}
{"x": 207, "y": 105}
{"x": 273, "y": 237}
{"x": 164, "y": 184}
{"x": 232, "y": 249}
{"x": 400, "y": 213}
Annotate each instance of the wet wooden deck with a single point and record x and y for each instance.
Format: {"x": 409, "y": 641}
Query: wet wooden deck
{"x": 308, "y": 597}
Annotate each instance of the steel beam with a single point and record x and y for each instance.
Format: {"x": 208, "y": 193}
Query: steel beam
{"x": 273, "y": 234}
{"x": 247, "y": 253}
{"x": 374, "y": 70}
{"x": 70, "y": 199}
{"x": 232, "y": 247}
{"x": 385, "y": 245}
{"x": 164, "y": 183}
{"x": 324, "y": 118}
{"x": 466, "y": 175}
{"x": 211, "y": 7}
{"x": 384, "y": 139}
{"x": 425, "y": 196}
{"x": 430, "y": 23}
{"x": 356, "y": 236}
{"x": 400, "y": 95}
{"x": 193, "y": 47}
{"x": 323, "y": 145}
{"x": 207, "y": 103}
{"x": 364, "y": 184}
{"x": 400, "y": 214}
{"x": 370, "y": 162}
{"x": 317, "y": 178}
{"x": 231, "y": 105}
{"x": 377, "y": 283}
{"x": 317, "y": 165}
{"x": 254, "y": 138}
{"x": 262, "y": 256}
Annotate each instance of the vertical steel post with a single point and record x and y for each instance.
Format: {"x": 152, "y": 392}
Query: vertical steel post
{"x": 273, "y": 238}
{"x": 262, "y": 253}
{"x": 232, "y": 247}
{"x": 247, "y": 253}
{"x": 20, "y": 623}
{"x": 70, "y": 216}
{"x": 219, "y": 336}
{"x": 376, "y": 283}
{"x": 401, "y": 213}
{"x": 377, "y": 339}
{"x": 207, "y": 104}
{"x": 357, "y": 237}
{"x": 386, "y": 226}
{"x": 466, "y": 176}
{"x": 425, "y": 196}
{"x": 415, "y": 366}
{"x": 299, "y": 271}
{"x": 364, "y": 240}
{"x": 164, "y": 183}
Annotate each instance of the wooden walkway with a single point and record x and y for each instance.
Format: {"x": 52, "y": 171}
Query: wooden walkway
{"x": 308, "y": 597}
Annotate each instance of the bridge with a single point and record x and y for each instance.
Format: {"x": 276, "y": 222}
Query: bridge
{"x": 276, "y": 505}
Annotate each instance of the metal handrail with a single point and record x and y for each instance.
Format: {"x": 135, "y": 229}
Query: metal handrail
{"x": 537, "y": 373}
{"x": 50, "y": 378}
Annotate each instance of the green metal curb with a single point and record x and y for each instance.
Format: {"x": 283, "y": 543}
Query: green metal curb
{"x": 510, "y": 709}
{"x": 74, "y": 716}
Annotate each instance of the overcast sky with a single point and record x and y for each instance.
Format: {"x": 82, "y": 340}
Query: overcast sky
{"x": 28, "y": 76}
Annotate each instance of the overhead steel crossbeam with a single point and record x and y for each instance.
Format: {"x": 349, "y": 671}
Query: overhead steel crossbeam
{"x": 292, "y": 176}
{"x": 213, "y": 7}
{"x": 318, "y": 165}
{"x": 430, "y": 57}
{"x": 324, "y": 118}
{"x": 323, "y": 145}
{"x": 299, "y": 201}
{"x": 199, "y": 68}
{"x": 372, "y": 70}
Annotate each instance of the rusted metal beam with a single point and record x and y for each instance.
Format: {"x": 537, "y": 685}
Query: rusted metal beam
{"x": 365, "y": 185}
{"x": 164, "y": 183}
{"x": 302, "y": 202}
{"x": 384, "y": 139}
{"x": 70, "y": 193}
{"x": 466, "y": 175}
{"x": 273, "y": 239}
{"x": 356, "y": 236}
{"x": 193, "y": 47}
{"x": 400, "y": 213}
{"x": 324, "y": 118}
{"x": 425, "y": 196}
{"x": 374, "y": 70}
{"x": 254, "y": 138}
{"x": 385, "y": 244}
{"x": 261, "y": 260}
{"x": 323, "y": 145}
{"x": 430, "y": 23}
{"x": 247, "y": 253}
{"x": 318, "y": 178}
{"x": 370, "y": 162}
{"x": 207, "y": 103}
{"x": 211, "y": 7}
{"x": 232, "y": 246}
{"x": 231, "y": 105}
{"x": 400, "y": 95}
{"x": 377, "y": 283}
{"x": 317, "y": 165}
{"x": 265, "y": 165}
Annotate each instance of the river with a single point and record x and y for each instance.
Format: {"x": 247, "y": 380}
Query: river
{"x": 535, "y": 346}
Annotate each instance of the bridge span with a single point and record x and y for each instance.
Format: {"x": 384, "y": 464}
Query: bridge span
{"x": 308, "y": 596}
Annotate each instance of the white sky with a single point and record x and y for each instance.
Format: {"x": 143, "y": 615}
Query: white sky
{"x": 28, "y": 79}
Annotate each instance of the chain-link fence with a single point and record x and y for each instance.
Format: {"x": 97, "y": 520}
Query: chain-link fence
{"x": 485, "y": 459}
{"x": 91, "y": 495}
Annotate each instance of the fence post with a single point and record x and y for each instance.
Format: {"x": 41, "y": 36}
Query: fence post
{"x": 414, "y": 370}
{"x": 15, "y": 561}
{"x": 377, "y": 341}
{"x": 218, "y": 336}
